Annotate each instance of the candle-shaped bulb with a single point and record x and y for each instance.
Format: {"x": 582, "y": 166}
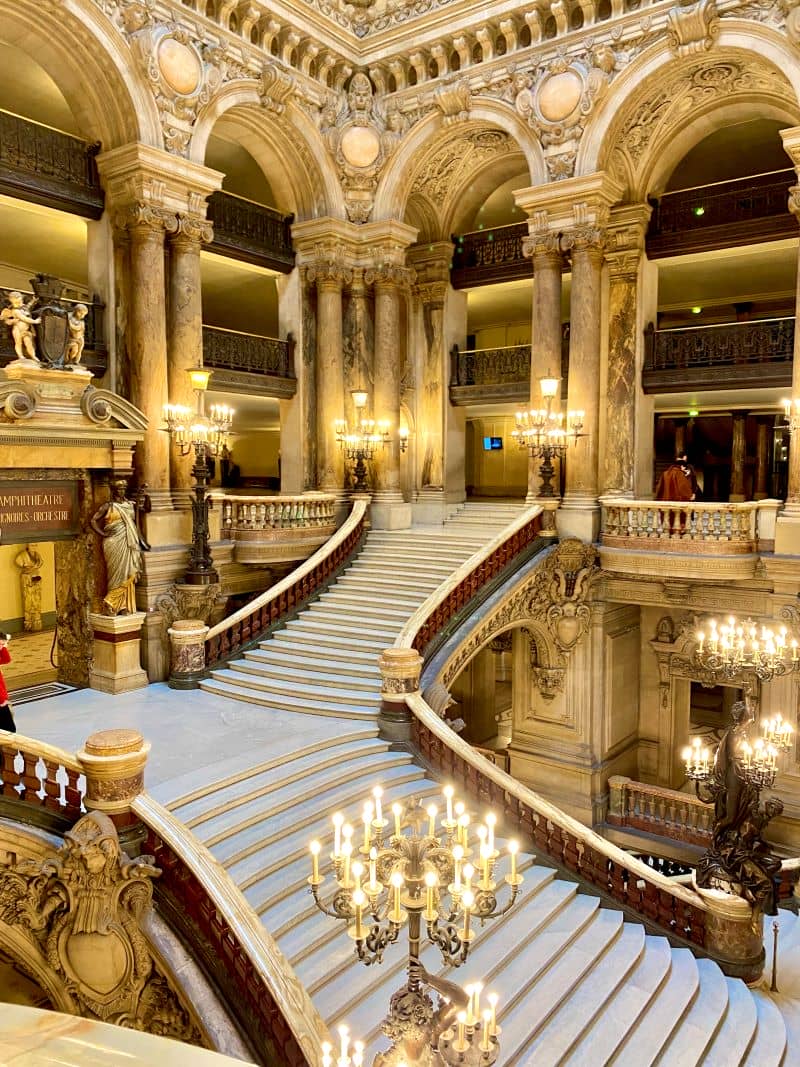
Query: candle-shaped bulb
{"x": 358, "y": 1053}
{"x": 513, "y": 849}
{"x": 485, "y": 1037}
{"x": 344, "y": 1037}
{"x": 431, "y": 811}
{"x": 397, "y": 811}
{"x": 468, "y": 873}
{"x": 448, "y": 794}
{"x": 338, "y": 820}
{"x": 327, "y": 1061}
{"x": 377, "y": 793}
{"x": 491, "y": 821}
{"x": 315, "y": 850}
{"x": 493, "y": 999}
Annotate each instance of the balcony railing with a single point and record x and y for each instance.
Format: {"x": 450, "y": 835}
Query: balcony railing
{"x": 48, "y": 167}
{"x": 272, "y": 529}
{"x": 237, "y": 357}
{"x": 251, "y": 232}
{"x": 722, "y": 215}
{"x": 732, "y": 354}
{"x": 692, "y": 527}
{"x": 485, "y": 256}
{"x": 482, "y": 374}
{"x": 95, "y": 352}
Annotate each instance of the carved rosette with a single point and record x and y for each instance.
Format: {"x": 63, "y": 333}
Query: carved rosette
{"x": 81, "y": 911}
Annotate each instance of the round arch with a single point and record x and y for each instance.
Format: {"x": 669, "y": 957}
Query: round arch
{"x": 432, "y": 138}
{"x": 90, "y": 62}
{"x": 660, "y": 106}
{"x": 286, "y": 146}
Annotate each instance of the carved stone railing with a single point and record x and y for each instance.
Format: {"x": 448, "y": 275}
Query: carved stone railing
{"x": 95, "y": 351}
{"x": 692, "y": 528}
{"x": 286, "y": 598}
{"x": 257, "y": 982}
{"x": 41, "y": 776}
{"x": 482, "y": 374}
{"x": 596, "y": 861}
{"x": 251, "y": 232}
{"x": 655, "y": 810}
{"x": 45, "y": 166}
{"x": 722, "y": 215}
{"x": 249, "y": 361}
{"x": 429, "y": 626}
{"x": 493, "y": 255}
{"x": 266, "y": 529}
{"x": 742, "y": 354}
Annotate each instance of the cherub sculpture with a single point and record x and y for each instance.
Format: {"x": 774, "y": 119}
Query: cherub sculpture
{"x": 19, "y": 318}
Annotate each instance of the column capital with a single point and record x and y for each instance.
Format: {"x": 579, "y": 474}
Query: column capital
{"x": 542, "y": 244}
{"x": 431, "y": 293}
{"x": 192, "y": 230}
{"x": 137, "y": 173}
{"x": 389, "y": 276}
{"x": 145, "y": 219}
{"x": 431, "y": 261}
{"x": 791, "y": 144}
{"x": 329, "y": 272}
{"x": 585, "y": 238}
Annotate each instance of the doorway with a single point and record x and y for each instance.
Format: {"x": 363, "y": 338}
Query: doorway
{"x": 28, "y": 576}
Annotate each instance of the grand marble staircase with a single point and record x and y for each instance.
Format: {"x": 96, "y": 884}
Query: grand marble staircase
{"x": 578, "y": 985}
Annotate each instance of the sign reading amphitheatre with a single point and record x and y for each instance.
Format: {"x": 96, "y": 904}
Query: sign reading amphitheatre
{"x": 38, "y": 511}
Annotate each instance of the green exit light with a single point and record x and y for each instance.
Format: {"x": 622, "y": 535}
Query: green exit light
{"x": 693, "y": 413}
{"x": 700, "y": 210}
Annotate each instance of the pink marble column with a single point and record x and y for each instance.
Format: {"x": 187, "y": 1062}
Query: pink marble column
{"x": 184, "y": 327}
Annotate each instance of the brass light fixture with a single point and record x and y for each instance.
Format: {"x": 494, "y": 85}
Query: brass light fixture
{"x": 360, "y": 442}
{"x": 543, "y": 432}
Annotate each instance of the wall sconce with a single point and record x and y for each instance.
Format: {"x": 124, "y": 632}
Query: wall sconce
{"x": 403, "y": 435}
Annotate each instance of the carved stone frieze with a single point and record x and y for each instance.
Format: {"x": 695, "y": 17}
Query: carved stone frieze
{"x": 443, "y": 173}
{"x": 693, "y": 27}
{"x": 552, "y": 603}
{"x": 81, "y": 911}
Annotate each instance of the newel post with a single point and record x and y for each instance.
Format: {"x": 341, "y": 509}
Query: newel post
{"x": 113, "y": 762}
{"x": 400, "y": 670}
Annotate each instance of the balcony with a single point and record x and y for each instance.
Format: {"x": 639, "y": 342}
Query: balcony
{"x": 483, "y": 257}
{"x": 48, "y": 167}
{"x": 731, "y": 355}
{"x": 269, "y": 530}
{"x": 248, "y": 362}
{"x": 251, "y": 232}
{"x": 483, "y": 374}
{"x": 636, "y": 535}
{"x": 722, "y": 215}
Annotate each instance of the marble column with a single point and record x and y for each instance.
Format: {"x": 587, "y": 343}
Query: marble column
{"x": 620, "y": 430}
{"x": 579, "y": 513}
{"x": 388, "y": 510}
{"x": 184, "y": 327}
{"x": 545, "y": 253}
{"x": 431, "y": 423}
{"x": 761, "y": 487}
{"x": 330, "y": 276}
{"x": 147, "y": 341}
{"x": 738, "y": 455}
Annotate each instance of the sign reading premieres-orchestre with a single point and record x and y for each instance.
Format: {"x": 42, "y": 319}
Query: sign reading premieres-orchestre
{"x": 38, "y": 511}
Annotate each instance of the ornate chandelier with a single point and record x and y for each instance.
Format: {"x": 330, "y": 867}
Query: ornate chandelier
{"x": 543, "y": 432}
{"x": 360, "y": 442}
{"x": 733, "y": 647}
{"x": 756, "y": 759}
{"x": 420, "y": 877}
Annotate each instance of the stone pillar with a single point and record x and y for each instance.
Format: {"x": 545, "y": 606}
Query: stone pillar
{"x": 117, "y": 658}
{"x": 787, "y": 531}
{"x": 545, "y": 253}
{"x": 147, "y": 341}
{"x": 113, "y": 762}
{"x": 187, "y": 641}
{"x": 761, "y": 486}
{"x": 184, "y": 327}
{"x": 580, "y": 514}
{"x": 738, "y": 454}
{"x": 329, "y": 276}
{"x": 734, "y": 937}
{"x": 388, "y": 509}
{"x": 400, "y": 670}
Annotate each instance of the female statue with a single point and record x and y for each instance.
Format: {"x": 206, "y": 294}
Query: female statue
{"x": 116, "y": 523}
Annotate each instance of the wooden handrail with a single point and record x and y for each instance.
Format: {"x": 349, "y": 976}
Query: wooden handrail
{"x": 289, "y": 593}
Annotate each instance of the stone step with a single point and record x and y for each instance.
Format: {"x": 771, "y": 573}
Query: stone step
{"x": 645, "y": 1039}
{"x": 246, "y": 673}
{"x": 600, "y": 1040}
{"x": 689, "y": 1041}
{"x": 211, "y": 794}
{"x": 586, "y": 1000}
{"x": 772, "y": 1045}
{"x": 313, "y": 639}
{"x": 264, "y": 805}
{"x": 411, "y": 587}
{"x": 735, "y": 1035}
{"x": 271, "y": 777}
{"x": 433, "y": 556}
{"x": 305, "y": 671}
{"x": 338, "y": 625}
{"x": 364, "y": 607}
{"x": 222, "y": 686}
{"x": 257, "y": 838}
{"x": 289, "y": 645}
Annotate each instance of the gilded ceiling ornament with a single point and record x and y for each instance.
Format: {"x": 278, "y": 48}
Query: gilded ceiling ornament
{"x": 693, "y": 27}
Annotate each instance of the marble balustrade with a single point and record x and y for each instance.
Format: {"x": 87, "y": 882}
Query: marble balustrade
{"x": 249, "y": 512}
{"x": 690, "y": 527}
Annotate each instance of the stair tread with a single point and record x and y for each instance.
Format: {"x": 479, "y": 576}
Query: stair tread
{"x": 770, "y": 1047}
{"x": 645, "y": 1039}
{"x": 309, "y": 675}
{"x": 295, "y": 689}
{"x": 283, "y": 643}
{"x": 698, "y": 1026}
{"x": 738, "y": 1028}
{"x": 323, "y": 698}
{"x": 253, "y": 697}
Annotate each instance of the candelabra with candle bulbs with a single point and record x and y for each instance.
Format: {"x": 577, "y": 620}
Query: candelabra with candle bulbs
{"x": 732, "y": 647}
{"x": 738, "y": 860}
{"x": 407, "y": 872}
{"x": 360, "y": 442}
{"x": 544, "y": 434}
{"x": 206, "y": 435}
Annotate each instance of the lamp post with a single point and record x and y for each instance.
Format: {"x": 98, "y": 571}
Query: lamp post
{"x": 543, "y": 434}
{"x": 360, "y": 442}
{"x": 409, "y": 874}
{"x": 206, "y": 435}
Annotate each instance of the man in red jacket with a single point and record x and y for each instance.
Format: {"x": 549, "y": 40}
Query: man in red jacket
{"x": 6, "y": 718}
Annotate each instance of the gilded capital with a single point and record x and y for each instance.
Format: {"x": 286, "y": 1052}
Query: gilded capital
{"x": 543, "y": 243}
{"x": 585, "y": 238}
{"x": 142, "y": 217}
{"x": 794, "y": 201}
{"x": 390, "y": 275}
{"x": 330, "y": 273}
{"x": 431, "y": 294}
{"x": 193, "y": 229}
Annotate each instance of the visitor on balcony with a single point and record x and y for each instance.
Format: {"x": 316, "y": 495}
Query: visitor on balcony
{"x": 678, "y": 483}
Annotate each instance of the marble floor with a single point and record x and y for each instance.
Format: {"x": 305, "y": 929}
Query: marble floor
{"x": 196, "y": 737}
{"x": 30, "y": 660}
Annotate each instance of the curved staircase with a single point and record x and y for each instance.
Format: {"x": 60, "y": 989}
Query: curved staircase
{"x": 578, "y": 984}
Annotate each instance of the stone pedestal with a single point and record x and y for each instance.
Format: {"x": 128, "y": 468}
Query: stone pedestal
{"x": 113, "y": 762}
{"x": 578, "y": 519}
{"x": 117, "y": 653}
{"x": 187, "y": 639}
{"x": 390, "y": 515}
{"x": 400, "y": 670}
{"x": 431, "y": 507}
{"x": 734, "y": 937}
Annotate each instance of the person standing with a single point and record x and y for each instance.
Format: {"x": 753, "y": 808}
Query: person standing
{"x": 6, "y": 718}
{"x": 678, "y": 482}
